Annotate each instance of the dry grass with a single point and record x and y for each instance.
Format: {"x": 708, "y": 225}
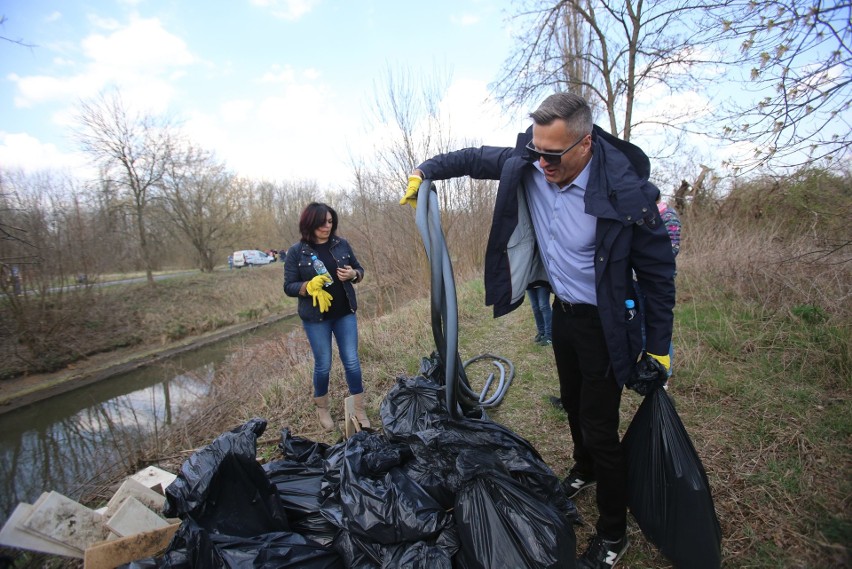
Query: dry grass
{"x": 762, "y": 383}
{"x": 73, "y": 325}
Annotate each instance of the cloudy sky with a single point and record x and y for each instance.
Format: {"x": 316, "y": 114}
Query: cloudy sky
{"x": 279, "y": 89}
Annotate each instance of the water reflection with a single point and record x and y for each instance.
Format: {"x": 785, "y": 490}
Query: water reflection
{"x": 83, "y": 438}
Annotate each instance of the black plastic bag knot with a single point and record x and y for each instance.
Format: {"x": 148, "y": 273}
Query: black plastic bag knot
{"x": 648, "y": 375}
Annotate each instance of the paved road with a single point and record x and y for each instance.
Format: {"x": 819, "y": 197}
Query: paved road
{"x": 142, "y": 279}
{"x": 118, "y": 282}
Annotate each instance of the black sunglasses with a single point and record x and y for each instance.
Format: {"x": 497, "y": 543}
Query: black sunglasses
{"x": 552, "y": 158}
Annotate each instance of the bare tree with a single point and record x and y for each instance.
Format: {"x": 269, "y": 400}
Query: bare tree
{"x": 409, "y": 112}
{"x": 606, "y": 50}
{"x": 202, "y": 202}
{"x": 798, "y": 55}
{"x": 133, "y": 151}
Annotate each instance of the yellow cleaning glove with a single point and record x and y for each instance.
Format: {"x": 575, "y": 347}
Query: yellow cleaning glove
{"x": 324, "y": 299}
{"x": 665, "y": 360}
{"x": 316, "y": 290}
{"x": 410, "y": 196}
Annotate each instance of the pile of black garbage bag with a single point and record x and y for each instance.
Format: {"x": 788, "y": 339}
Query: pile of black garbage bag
{"x": 429, "y": 491}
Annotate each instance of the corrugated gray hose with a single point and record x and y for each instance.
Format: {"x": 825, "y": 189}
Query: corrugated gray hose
{"x": 461, "y": 399}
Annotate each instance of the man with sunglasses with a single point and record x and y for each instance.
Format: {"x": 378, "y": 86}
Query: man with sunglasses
{"x": 575, "y": 211}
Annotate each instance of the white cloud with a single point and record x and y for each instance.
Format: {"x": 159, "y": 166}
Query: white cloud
{"x": 143, "y": 44}
{"x": 28, "y": 153}
{"x": 141, "y": 58}
{"x": 472, "y": 116}
{"x": 465, "y": 19}
{"x": 287, "y": 9}
{"x": 282, "y": 134}
{"x": 278, "y": 74}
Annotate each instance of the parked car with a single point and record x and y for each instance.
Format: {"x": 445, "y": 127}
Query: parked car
{"x": 250, "y": 257}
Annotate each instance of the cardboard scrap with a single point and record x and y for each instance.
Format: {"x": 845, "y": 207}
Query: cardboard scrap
{"x": 110, "y": 554}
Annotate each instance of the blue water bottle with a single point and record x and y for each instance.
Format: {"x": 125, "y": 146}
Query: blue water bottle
{"x": 320, "y": 269}
{"x": 631, "y": 308}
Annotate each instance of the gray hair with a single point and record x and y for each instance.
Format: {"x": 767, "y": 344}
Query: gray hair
{"x": 571, "y": 108}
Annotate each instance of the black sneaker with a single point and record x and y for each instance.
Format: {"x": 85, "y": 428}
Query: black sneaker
{"x": 602, "y": 553}
{"x": 537, "y": 339}
{"x": 575, "y": 482}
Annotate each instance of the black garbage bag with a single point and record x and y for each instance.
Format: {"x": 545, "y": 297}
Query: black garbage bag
{"x": 437, "y": 554}
{"x": 196, "y": 548}
{"x": 501, "y": 523}
{"x": 668, "y": 492}
{"x": 436, "y": 452}
{"x": 647, "y": 375}
{"x": 376, "y": 500}
{"x": 413, "y": 404}
{"x": 224, "y": 490}
{"x": 301, "y": 449}
{"x": 360, "y": 553}
{"x": 299, "y": 487}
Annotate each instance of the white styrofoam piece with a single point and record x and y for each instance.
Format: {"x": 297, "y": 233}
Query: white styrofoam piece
{"x": 134, "y": 517}
{"x": 12, "y": 536}
{"x": 63, "y": 520}
{"x": 144, "y": 494}
{"x": 151, "y": 476}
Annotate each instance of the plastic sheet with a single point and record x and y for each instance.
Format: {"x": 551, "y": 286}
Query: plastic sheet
{"x": 668, "y": 491}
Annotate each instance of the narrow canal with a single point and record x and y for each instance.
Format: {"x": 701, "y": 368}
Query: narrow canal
{"x": 79, "y": 439}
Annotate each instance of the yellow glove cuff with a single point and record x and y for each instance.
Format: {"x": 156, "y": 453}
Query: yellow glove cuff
{"x": 665, "y": 360}
{"x": 410, "y": 196}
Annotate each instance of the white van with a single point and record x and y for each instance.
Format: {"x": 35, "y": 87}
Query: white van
{"x": 249, "y": 257}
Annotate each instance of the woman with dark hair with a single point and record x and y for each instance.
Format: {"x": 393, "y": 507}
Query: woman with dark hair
{"x": 327, "y": 303}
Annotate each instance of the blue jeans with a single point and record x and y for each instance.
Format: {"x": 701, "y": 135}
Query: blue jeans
{"x": 345, "y": 331}
{"x": 542, "y": 311}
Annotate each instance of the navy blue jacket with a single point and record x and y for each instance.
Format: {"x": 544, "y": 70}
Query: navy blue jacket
{"x": 298, "y": 268}
{"x": 630, "y": 236}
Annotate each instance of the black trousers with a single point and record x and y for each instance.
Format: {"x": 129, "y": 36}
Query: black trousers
{"x": 592, "y": 397}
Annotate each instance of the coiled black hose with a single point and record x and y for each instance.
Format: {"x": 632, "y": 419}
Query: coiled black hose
{"x": 461, "y": 399}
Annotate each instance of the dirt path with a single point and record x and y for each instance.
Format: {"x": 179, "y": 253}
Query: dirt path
{"x": 23, "y": 391}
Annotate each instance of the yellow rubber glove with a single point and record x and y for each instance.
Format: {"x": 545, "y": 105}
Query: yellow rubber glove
{"x": 316, "y": 290}
{"x": 324, "y": 300}
{"x": 665, "y": 360}
{"x": 410, "y": 196}
{"x": 317, "y": 283}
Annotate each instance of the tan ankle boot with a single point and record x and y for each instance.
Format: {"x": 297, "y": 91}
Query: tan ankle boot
{"x": 360, "y": 412}
{"x": 325, "y": 420}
